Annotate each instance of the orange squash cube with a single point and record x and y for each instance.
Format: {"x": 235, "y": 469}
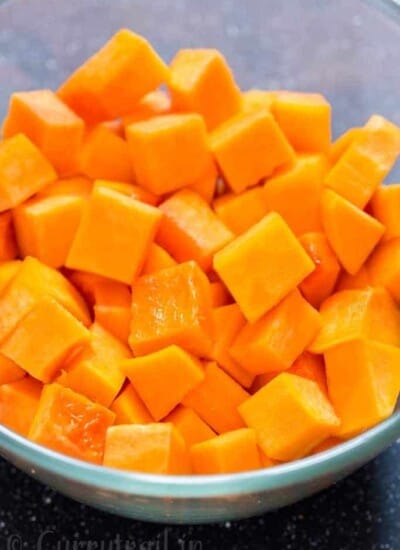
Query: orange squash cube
{"x": 109, "y": 292}
{"x": 84, "y": 438}
{"x": 87, "y": 284}
{"x": 114, "y": 78}
{"x": 112, "y": 309}
{"x": 356, "y": 314}
{"x": 198, "y": 75}
{"x": 189, "y": 424}
{"x": 352, "y": 233}
{"x": 267, "y": 462}
{"x": 366, "y": 393}
{"x": 190, "y": 230}
{"x": 228, "y": 321}
{"x": 290, "y": 415}
{"x": 19, "y": 402}
{"x": 317, "y": 286}
{"x": 359, "y": 280}
{"x": 23, "y": 171}
{"x": 228, "y": 453}
{"x": 278, "y": 264}
{"x": 45, "y": 228}
{"x": 219, "y": 294}
{"x": 116, "y": 319}
{"x": 206, "y": 184}
{"x": 151, "y": 374}
{"x": 100, "y": 290}
{"x": 366, "y": 162}
{"x": 129, "y": 408}
{"x": 9, "y": 371}
{"x": 342, "y": 143}
{"x": 383, "y": 265}
{"x": 305, "y": 120}
{"x": 294, "y": 192}
{"x": 168, "y": 152}
{"x": 105, "y": 155}
{"x": 113, "y": 236}
{"x": 42, "y": 353}
{"x": 308, "y": 365}
{"x": 157, "y": 259}
{"x": 95, "y": 372}
{"x": 50, "y": 124}
{"x": 152, "y": 448}
{"x": 241, "y": 163}
{"x": 8, "y": 270}
{"x": 311, "y": 366}
{"x": 32, "y": 282}
{"x": 216, "y": 400}
{"x": 385, "y": 207}
{"x": 275, "y": 341}
{"x": 241, "y": 211}
{"x": 172, "y": 306}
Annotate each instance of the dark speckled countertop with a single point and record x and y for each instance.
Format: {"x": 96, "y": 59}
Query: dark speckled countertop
{"x": 360, "y": 513}
{"x": 350, "y": 51}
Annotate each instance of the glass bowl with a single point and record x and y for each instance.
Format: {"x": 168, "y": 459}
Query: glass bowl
{"x": 347, "y": 50}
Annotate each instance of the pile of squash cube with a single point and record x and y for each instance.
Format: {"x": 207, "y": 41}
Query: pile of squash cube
{"x": 193, "y": 278}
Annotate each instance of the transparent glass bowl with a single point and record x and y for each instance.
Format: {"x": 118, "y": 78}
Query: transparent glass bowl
{"x": 347, "y": 50}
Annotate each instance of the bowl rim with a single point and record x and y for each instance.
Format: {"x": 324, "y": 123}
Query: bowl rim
{"x": 356, "y": 450}
{"x": 353, "y": 451}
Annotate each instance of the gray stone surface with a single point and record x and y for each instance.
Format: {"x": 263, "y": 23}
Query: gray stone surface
{"x": 360, "y": 513}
